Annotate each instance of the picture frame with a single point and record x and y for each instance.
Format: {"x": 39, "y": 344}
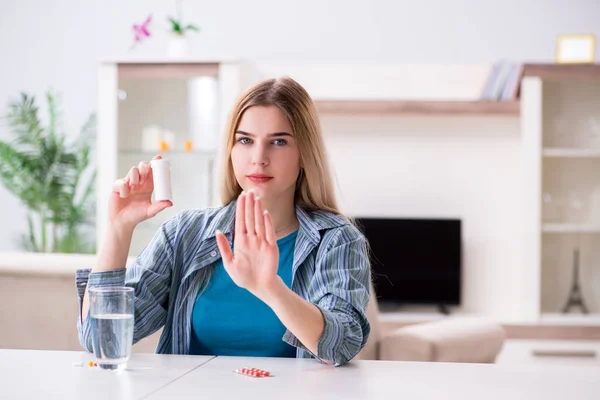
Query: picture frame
{"x": 575, "y": 49}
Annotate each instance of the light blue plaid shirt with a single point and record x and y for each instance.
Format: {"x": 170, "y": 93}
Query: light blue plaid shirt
{"x": 330, "y": 269}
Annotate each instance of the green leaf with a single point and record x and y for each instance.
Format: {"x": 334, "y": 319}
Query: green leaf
{"x": 175, "y": 25}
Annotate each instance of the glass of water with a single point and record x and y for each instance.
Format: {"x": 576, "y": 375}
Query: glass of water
{"x": 111, "y": 313}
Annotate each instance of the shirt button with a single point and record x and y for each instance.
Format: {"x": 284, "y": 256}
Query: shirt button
{"x": 213, "y": 253}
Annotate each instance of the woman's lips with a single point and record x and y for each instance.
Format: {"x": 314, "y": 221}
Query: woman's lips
{"x": 259, "y": 178}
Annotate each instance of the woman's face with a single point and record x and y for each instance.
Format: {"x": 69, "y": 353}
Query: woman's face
{"x": 265, "y": 154}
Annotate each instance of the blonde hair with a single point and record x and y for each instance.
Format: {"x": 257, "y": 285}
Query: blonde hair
{"x": 314, "y": 187}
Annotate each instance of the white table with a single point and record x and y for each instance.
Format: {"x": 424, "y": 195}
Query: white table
{"x": 308, "y": 379}
{"x": 36, "y": 374}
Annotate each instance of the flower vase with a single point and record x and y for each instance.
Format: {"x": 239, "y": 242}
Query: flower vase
{"x": 178, "y": 46}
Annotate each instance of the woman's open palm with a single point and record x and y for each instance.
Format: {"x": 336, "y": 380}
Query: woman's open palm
{"x": 253, "y": 263}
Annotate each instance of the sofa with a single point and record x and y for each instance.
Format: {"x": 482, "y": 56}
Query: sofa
{"x": 447, "y": 339}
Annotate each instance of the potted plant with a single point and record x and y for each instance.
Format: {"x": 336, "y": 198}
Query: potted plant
{"x": 51, "y": 176}
{"x": 179, "y": 43}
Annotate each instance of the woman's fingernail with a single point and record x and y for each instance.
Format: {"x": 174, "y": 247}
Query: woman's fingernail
{"x": 266, "y": 212}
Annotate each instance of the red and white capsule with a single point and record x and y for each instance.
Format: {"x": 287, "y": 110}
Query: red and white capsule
{"x": 255, "y": 372}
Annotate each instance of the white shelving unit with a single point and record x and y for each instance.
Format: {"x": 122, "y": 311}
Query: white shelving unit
{"x": 560, "y": 120}
{"x": 135, "y": 94}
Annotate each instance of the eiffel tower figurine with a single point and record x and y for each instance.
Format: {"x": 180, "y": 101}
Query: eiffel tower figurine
{"x": 575, "y": 296}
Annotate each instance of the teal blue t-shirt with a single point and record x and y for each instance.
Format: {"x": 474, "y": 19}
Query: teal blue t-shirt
{"x": 230, "y": 321}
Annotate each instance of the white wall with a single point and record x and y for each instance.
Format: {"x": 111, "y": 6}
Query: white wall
{"x": 432, "y": 166}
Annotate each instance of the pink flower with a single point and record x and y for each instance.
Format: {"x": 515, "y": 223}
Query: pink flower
{"x": 141, "y": 32}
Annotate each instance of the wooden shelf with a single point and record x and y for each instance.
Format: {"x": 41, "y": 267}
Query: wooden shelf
{"x": 570, "y": 153}
{"x": 167, "y": 70}
{"x": 570, "y": 228}
{"x": 477, "y": 107}
{"x": 563, "y": 71}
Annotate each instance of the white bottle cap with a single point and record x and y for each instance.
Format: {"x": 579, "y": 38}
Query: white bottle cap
{"x": 161, "y": 173}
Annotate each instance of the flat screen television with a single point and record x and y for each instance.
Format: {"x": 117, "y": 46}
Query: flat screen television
{"x": 415, "y": 261}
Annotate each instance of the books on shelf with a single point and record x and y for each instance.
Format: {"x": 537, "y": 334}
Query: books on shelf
{"x": 504, "y": 81}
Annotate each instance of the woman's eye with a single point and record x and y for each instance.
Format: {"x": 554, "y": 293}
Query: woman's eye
{"x": 244, "y": 140}
{"x": 280, "y": 142}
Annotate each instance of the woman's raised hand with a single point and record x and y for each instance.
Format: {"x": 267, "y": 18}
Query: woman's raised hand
{"x": 253, "y": 263}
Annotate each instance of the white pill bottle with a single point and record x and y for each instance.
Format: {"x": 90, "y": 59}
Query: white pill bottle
{"x": 161, "y": 176}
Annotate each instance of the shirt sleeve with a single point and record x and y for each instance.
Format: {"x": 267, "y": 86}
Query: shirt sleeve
{"x": 149, "y": 275}
{"x": 342, "y": 280}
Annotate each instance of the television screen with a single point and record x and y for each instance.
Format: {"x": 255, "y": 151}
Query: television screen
{"x": 415, "y": 261}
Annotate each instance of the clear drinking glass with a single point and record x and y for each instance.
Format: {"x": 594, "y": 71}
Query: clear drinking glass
{"x": 111, "y": 313}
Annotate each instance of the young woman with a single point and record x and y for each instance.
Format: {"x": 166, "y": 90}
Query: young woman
{"x": 276, "y": 271}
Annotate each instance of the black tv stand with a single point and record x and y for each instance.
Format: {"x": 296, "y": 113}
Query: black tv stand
{"x": 443, "y": 309}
